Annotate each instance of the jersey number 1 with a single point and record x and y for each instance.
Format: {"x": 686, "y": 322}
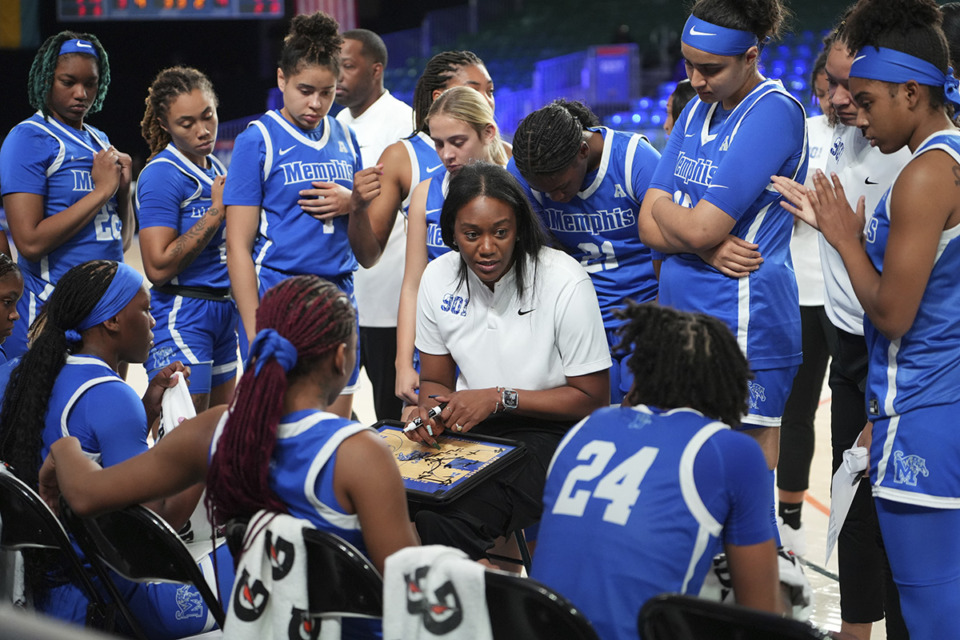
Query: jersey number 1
{"x": 620, "y": 486}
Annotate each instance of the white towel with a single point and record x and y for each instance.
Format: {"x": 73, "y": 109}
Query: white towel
{"x": 269, "y": 596}
{"x": 434, "y": 592}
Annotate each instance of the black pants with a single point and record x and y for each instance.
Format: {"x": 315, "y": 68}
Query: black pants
{"x": 378, "y": 354}
{"x": 797, "y": 435}
{"x": 867, "y": 590}
{"x": 512, "y": 500}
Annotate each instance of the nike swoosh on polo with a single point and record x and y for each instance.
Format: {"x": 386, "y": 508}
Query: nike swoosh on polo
{"x": 432, "y": 169}
{"x": 693, "y": 31}
{"x": 521, "y": 312}
{"x": 429, "y": 211}
{"x": 867, "y": 181}
{"x": 285, "y": 151}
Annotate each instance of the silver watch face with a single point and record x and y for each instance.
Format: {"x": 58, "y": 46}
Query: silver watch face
{"x": 509, "y": 398}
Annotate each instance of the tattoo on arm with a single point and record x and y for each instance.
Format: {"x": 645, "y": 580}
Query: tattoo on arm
{"x": 202, "y": 232}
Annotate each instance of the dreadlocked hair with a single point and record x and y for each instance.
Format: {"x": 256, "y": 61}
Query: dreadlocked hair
{"x": 908, "y": 26}
{"x": 548, "y": 140}
{"x": 684, "y": 360}
{"x": 40, "y": 80}
{"x": 24, "y": 410}
{"x": 8, "y": 266}
{"x": 493, "y": 181}
{"x": 468, "y": 106}
{"x": 166, "y": 87}
{"x": 316, "y": 317}
{"x": 313, "y": 40}
{"x": 438, "y": 72}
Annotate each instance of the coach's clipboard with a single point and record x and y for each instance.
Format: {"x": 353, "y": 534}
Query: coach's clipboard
{"x": 436, "y": 477}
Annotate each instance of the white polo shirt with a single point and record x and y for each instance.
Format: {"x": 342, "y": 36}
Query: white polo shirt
{"x": 804, "y": 244}
{"x": 535, "y": 342}
{"x": 378, "y": 289}
{"x": 863, "y": 171}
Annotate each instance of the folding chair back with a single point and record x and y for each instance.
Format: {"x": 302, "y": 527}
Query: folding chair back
{"x": 140, "y": 546}
{"x": 28, "y": 523}
{"x": 524, "y": 608}
{"x": 678, "y": 617}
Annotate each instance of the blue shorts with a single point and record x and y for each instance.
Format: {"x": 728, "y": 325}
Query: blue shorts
{"x": 199, "y": 333}
{"x": 164, "y": 610}
{"x": 769, "y": 391}
{"x": 267, "y": 278}
{"x": 913, "y": 457}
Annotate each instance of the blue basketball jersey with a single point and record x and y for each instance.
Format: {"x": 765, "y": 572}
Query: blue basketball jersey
{"x": 424, "y": 162}
{"x": 272, "y": 162}
{"x": 710, "y": 156}
{"x": 44, "y": 157}
{"x": 436, "y": 194}
{"x": 173, "y": 192}
{"x": 922, "y": 367}
{"x": 599, "y": 226}
{"x": 635, "y": 504}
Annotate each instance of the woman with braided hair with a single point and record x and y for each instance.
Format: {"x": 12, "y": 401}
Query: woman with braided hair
{"x": 295, "y": 174}
{"x": 65, "y": 188}
{"x": 651, "y": 484}
{"x": 587, "y": 182}
{"x": 264, "y": 446}
{"x": 97, "y": 316}
{"x": 183, "y": 235}
{"x": 11, "y": 289}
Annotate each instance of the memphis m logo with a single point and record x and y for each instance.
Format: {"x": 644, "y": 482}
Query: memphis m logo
{"x": 696, "y": 170}
{"x": 294, "y": 172}
{"x": 82, "y": 180}
{"x": 908, "y": 468}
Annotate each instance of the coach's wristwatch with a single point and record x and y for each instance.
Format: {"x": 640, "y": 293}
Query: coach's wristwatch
{"x": 509, "y": 399}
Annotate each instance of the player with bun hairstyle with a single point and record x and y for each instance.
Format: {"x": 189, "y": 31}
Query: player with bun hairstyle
{"x": 183, "y": 235}
{"x": 65, "y": 188}
{"x": 574, "y": 170}
{"x": 294, "y": 175}
{"x": 903, "y": 268}
{"x": 710, "y": 208}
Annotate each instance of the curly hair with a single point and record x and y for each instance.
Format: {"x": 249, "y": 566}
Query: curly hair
{"x": 44, "y": 66}
{"x": 684, "y": 360}
{"x": 316, "y": 317}
{"x": 548, "y": 140}
{"x": 313, "y": 40}
{"x": 165, "y": 88}
{"x": 439, "y": 71}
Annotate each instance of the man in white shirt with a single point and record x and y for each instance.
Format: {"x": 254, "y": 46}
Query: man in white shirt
{"x": 379, "y": 120}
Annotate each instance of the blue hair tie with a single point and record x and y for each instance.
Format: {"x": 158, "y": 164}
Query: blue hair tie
{"x": 79, "y": 46}
{"x": 712, "y": 38}
{"x": 72, "y": 336}
{"x": 890, "y": 65}
{"x": 270, "y": 344}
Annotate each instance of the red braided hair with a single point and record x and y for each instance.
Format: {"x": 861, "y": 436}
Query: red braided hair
{"x": 316, "y": 317}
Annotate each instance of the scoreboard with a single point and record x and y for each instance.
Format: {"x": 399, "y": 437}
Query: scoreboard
{"x": 70, "y": 10}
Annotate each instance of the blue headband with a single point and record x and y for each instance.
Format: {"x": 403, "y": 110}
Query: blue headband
{"x": 79, "y": 46}
{"x": 270, "y": 344}
{"x": 124, "y": 286}
{"x": 715, "y": 39}
{"x": 890, "y": 65}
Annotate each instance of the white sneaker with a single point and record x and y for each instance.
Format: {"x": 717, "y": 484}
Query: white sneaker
{"x": 796, "y": 586}
{"x": 793, "y": 539}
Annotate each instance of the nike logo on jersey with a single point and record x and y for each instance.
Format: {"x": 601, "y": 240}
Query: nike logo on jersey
{"x": 521, "y": 312}
{"x": 867, "y": 181}
{"x": 432, "y": 169}
{"x": 284, "y": 152}
{"x": 429, "y": 211}
{"x": 693, "y": 31}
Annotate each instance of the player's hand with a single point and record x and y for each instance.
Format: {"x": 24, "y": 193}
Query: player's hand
{"x": 366, "y": 187}
{"x": 325, "y": 201}
{"x": 216, "y": 193}
{"x": 407, "y": 384}
{"x": 160, "y": 383}
{"x": 48, "y": 486}
{"x": 796, "y": 199}
{"x": 106, "y": 170}
{"x": 734, "y": 257}
{"x": 839, "y": 224}
{"x": 126, "y": 169}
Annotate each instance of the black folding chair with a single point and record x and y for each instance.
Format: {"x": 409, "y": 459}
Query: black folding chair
{"x": 678, "y": 617}
{"x": 524, "y": 608}
{"x": 28, "y": 523}
{"x": 140, "y": 546}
